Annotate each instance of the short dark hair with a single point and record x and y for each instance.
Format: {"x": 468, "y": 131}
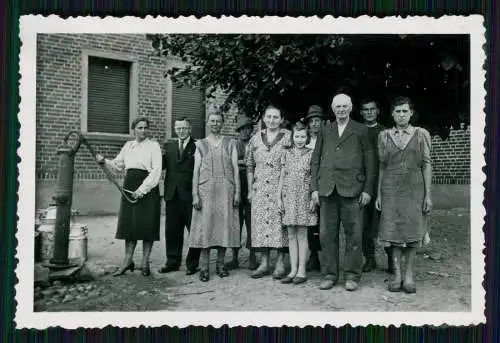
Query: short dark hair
{"x": 138, "y": 120}
{"x": 184, "y": 119}
{"x": 271, "y": 106}
{"x": 368, "y": 100}
{"x": 216, "y": 113}
{"x": 402, "y": 100}
{"x": 299, "y": 126}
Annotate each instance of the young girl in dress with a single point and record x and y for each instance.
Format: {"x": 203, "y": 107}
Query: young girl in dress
{"x": 294, "y": 200}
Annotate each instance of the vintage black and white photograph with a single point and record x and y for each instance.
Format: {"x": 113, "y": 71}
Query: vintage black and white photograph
{"x": 256, "y": 173}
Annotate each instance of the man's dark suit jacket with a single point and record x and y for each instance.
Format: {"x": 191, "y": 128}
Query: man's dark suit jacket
{"x": 346, "y": 163}
{"x": 179, "y": 175}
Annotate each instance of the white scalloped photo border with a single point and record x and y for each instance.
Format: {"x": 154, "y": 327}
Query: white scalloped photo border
{"x": 31, "y": 25}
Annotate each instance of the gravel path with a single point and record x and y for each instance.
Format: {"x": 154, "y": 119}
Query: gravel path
{"x": 442, "y": 274}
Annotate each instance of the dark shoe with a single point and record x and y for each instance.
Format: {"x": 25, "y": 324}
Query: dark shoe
{"x": 327, "y": 284}
{"x": 287, "y": 280}
{"x": 204, "y": 276}
{"x": 313, "y": 263}
{"x": 409, "y": 288}
{"x": 252, "y": 263}
{"x": 279, "y": 276}
{"x": 351, "y": 285}
{"x": 168, "y": 269}
{"x": 192, "y": 270}
{"x": 394, "y": 286}
{"x": 232, "y": 265}
{"x": 146, "y": 271}
{"x": 369, "y": 265}
{"x": 221, "y": 271}
{"x": 257, "y": 274}
{"x": 131, "y": 267}
{"x": 299, "y": 279}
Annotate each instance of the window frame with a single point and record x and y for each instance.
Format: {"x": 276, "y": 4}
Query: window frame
{"x": 133, "y": 93}
{"x": 173, "y": 62}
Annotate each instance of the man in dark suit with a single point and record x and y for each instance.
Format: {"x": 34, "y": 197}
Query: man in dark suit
{"x": 343, "y": 175}
{"x": 370, "y": 111}
{"x": 178, "y": 160}
{"x": 314, "y": 120}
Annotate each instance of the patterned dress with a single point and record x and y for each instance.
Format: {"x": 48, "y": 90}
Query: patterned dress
{"x": 217, "y": 223}
{"x": 402, "y": 221}
{"x": 264, "y": 159}
{"x": 296, "y": 193}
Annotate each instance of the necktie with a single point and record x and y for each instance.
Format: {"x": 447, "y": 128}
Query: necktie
{"x": 181, "y": 147}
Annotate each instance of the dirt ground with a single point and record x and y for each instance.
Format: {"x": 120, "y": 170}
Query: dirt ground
{"x": 442, "y": 274}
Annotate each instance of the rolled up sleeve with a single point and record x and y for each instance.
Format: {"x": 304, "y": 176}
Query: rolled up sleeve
{"x": 425, "y": 146}
{"x": 118, "y": 163}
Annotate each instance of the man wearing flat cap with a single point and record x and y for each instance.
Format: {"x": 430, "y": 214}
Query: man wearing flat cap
{"x": 244, "y": 128}
{"x": 314, "y": 120}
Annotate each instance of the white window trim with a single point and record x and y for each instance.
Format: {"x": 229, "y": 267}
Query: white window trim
{"x": 173, "y": 62}
{"x": 133, "y": 93}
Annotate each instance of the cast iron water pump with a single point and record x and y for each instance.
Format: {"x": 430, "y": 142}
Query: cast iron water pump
{"x": 63, "y": 200}
{"x": 60, "y": 263}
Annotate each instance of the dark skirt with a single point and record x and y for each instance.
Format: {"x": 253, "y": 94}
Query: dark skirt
{"x": 139, "y": 221}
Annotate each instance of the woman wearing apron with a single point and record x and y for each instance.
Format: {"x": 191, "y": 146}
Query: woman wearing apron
{"x": 404, "y": 191}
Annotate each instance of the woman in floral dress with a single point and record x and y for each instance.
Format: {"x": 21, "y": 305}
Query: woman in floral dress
{"x": 264, "y": 155}
{"x": 404, "y": 191}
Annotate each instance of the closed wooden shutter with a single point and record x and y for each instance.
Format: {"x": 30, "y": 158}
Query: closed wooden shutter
{"x": 189, "y": 103}
{"x": 108, "y": 96}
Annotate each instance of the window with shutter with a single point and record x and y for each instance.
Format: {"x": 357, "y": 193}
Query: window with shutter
{"x": 108, "y": 95}
{"x": 189, "y": 103}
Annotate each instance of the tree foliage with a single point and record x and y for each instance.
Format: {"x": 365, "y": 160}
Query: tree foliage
{"x": 296, "y": 71}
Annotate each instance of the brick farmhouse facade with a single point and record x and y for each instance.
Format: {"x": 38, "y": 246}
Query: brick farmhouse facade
{"x": 69, "y": 93}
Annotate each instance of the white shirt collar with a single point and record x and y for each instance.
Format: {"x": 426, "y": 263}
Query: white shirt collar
{"x": 135, "y": 143}
{"x": 408, "y": 130}
{"x": 341, "y": 127}
{"x": 345, "y": 124}
{"x": 185, "y": 142}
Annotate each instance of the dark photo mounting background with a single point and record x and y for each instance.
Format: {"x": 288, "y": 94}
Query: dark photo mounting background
{"x": 9, "y": 100}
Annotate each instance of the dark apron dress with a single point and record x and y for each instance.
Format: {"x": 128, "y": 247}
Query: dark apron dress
{"x": 139, "y": 221}
{"x": 402, "y": 222}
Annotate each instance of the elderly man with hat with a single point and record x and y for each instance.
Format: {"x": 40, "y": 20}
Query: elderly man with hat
{"x": 314, "y": 120}
{"x": 244, "y": 128}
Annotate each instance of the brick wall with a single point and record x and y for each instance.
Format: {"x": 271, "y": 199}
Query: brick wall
{"x": 230, "y": 117}
{"x": 451, "y": 158}
{"x": 59, "y": 97}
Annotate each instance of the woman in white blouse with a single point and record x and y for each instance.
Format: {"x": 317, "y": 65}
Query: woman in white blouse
{"x": 140, "y": 220}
